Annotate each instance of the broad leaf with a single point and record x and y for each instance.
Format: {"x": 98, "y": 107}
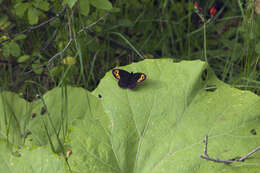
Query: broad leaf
{"x": 33, "y": 15}
{"x": 160, "y": 126}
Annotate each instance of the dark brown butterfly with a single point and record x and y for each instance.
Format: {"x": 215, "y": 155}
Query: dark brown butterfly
{"x": 128, "y": 80}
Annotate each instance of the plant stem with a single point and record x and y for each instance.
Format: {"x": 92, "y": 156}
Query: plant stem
{"x": 205, "y": 41}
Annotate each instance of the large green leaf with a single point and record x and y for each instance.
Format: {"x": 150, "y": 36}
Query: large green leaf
{"x": 158, "y": 127}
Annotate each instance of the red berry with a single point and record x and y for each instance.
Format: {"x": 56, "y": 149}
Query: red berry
{"x": 213, "y": 11}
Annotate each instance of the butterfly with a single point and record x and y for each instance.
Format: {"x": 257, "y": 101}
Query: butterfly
{"x": 128, "y": 80}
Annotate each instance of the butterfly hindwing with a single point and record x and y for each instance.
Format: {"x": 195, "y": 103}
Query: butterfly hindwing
{"x": 128, "y": 80}
{"x": 123, "y": 83}
{"x": 139, "y": 77}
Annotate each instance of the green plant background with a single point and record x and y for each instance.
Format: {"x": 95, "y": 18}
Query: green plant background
{"x": 38, "y": 38}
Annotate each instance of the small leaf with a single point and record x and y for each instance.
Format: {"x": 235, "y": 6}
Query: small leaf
{"x": 14, "y": 49}
{"x": 6, "y": 50}
{"x": 115, "y": 10}
{"x": 20, "y": 8}
{"x": 33, "y": 16}
{"x": 70, "y": 3}
{"x": 69, "y": 60}
{"x": 23, "y": 58}
{"x": 37, "y": 67}
{"x": 19, "y": 37}
{"x": 125, "y": 23}
{"x": 101, "y": 4}
{"x": 84, "y": 7}
{"x": 57, "y": 71}
{"x": 4, "y": 22}
{"x": 43, "y": 5}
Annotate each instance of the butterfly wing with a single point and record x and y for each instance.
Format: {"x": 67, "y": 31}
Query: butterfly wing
{"x": 135, "y": 79}
{"x": 123, "y": 76}
{"x": 128, "y": 80}
{"x": 123, "y": 83}
{"x": 139, "y": 77}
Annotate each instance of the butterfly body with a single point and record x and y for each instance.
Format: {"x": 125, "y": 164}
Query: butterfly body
{"x": 128, "y": 80}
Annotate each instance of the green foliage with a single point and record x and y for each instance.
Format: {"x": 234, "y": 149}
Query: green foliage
{"x": 257, "y": 48}
{"x": 11, "y": 49}
{"x": 101, "y": 4}
{"x": 23, "y": 58}
{"x": 159, "y": 127}
{"x": 21, "y": 8}
{"x": 33, "y": 16}
{"x": 70, "y": 3}
{"x": 32, "y": 8}
{"x": 84, "y": 7}
{"x": 85, "y": 30}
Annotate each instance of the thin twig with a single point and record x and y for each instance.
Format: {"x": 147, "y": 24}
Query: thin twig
{"x": 111, "y": 42}
{"x": 241, "y": 159}
{"x": 71, "y": 36}
{"x": 249, "y": 154}
{"x": 70, "y": 40}
{"x": 94, "y": 23}
{"x": 206, "y": 156}
{"x": 216, "y": 160}
{"x": 206, "y": 146}
{"x": 34, "y": 27}
{"x": 64, "y": 49}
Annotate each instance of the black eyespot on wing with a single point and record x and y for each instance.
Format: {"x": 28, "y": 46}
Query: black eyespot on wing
{"x": 118, "y": 74}
{"x": 115, "y": 73}
{"x": 139, "y": 77}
